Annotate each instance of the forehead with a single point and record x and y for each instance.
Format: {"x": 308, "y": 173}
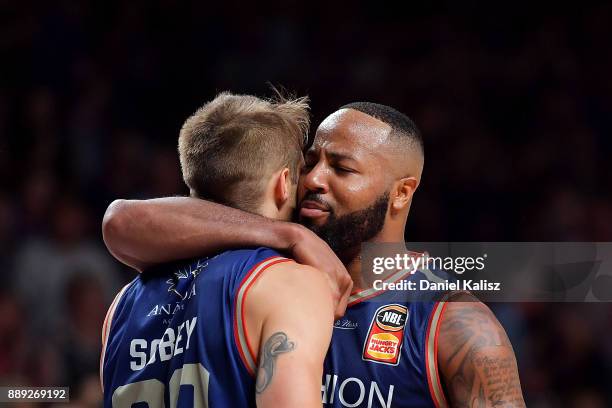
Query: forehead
{"x": 353, "y": 133}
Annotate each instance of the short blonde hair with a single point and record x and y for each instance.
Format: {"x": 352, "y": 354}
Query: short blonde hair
{"x": 231, "y": 146}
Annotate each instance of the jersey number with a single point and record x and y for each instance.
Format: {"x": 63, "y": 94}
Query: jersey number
{"x": 152, "y": 391}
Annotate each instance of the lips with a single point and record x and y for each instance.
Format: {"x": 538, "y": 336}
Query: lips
{"x": 313, "y": 209}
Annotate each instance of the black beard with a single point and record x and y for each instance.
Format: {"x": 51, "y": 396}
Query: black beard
{"x": 350, "y": 230}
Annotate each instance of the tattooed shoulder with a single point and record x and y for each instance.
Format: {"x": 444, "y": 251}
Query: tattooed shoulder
{"x": 476, "y": 358}
{"x": 275, "y": 345}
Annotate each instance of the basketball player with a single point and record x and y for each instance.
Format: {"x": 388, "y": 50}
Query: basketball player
{"x": 244, "y": 326}
{"x": 357, "y": 186}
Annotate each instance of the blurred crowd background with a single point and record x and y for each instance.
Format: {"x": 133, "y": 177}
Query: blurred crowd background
{"x": 514, "y": 101}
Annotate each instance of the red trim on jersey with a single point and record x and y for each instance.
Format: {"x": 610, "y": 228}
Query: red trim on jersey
{"x": 443, "y": 402}
{"x": 378, "y": 292}
{"x": 106, "y": 329}
{"x": 108, "y": 318}
{"x": 436, "y": 354}
{"x": 246, "y": 336}
{"x": 242, "y": 319}
{"x": 431, "y": 390}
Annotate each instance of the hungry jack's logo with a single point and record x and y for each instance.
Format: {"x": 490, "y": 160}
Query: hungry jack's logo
{"x": 386, "y": 335}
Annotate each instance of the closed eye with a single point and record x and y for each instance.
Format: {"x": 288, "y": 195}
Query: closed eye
{"x": 344, "y": 169}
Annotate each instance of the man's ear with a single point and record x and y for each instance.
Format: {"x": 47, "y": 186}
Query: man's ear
{"x": 402, "y": 193}
{"x": 281, "y": 189}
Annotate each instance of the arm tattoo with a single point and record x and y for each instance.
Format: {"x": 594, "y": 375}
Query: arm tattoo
{"x": 477, "y": 360}
{"x": 277, "y": 344}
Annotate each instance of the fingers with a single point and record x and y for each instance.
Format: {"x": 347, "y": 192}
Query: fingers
{"x": 340, "y": 292}
{"x": 343, "y": 296}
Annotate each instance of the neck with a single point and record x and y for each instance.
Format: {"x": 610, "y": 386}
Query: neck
{"x": 269, "y": 209}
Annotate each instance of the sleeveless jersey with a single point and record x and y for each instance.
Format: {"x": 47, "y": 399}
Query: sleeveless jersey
{"x": 175, "y": 337}
{"x": 383, "y": 351}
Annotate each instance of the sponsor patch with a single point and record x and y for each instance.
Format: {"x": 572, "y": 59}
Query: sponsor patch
{"x": 386, "y": 335}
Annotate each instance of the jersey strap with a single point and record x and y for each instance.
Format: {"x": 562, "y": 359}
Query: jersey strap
{"x": 360, "y": 296}
{"x": 247, "y": 354}
{"x": 431, "y": 355}
{"x": 106, "y": 326}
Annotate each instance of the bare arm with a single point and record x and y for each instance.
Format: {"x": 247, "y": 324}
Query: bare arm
{"x": 476, "y": 358}
{"x": 295, "y": 308}
{"x": 142, "y": 233}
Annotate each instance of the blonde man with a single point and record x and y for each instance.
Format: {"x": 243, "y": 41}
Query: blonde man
{"x": 245, "y": 327}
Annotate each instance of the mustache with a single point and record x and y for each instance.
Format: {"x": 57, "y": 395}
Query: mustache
{"x": 318, "y": 199}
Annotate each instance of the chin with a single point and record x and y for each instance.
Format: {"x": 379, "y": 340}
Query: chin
{"x": 313, "y": 222}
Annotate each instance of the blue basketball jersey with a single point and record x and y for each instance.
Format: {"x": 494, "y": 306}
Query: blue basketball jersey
{"x": 174, "y": 337}
{"x": 383, "y": 351}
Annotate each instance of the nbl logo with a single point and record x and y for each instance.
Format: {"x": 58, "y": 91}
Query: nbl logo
{"x": 386, "y": 335}
{"x": 391, "y": 318}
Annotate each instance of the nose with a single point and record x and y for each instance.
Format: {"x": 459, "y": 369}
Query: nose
{"x": 316, "y": 180}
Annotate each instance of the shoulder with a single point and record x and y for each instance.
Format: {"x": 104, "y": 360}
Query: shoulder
{"x": 476, "y": 358}
{"x": 289, "y": 283}
{"x": 469, "y": 326}
{"x": 464, "y": 307}
{"x": 292, "y": 277}
{"x": 465, "y": 313}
